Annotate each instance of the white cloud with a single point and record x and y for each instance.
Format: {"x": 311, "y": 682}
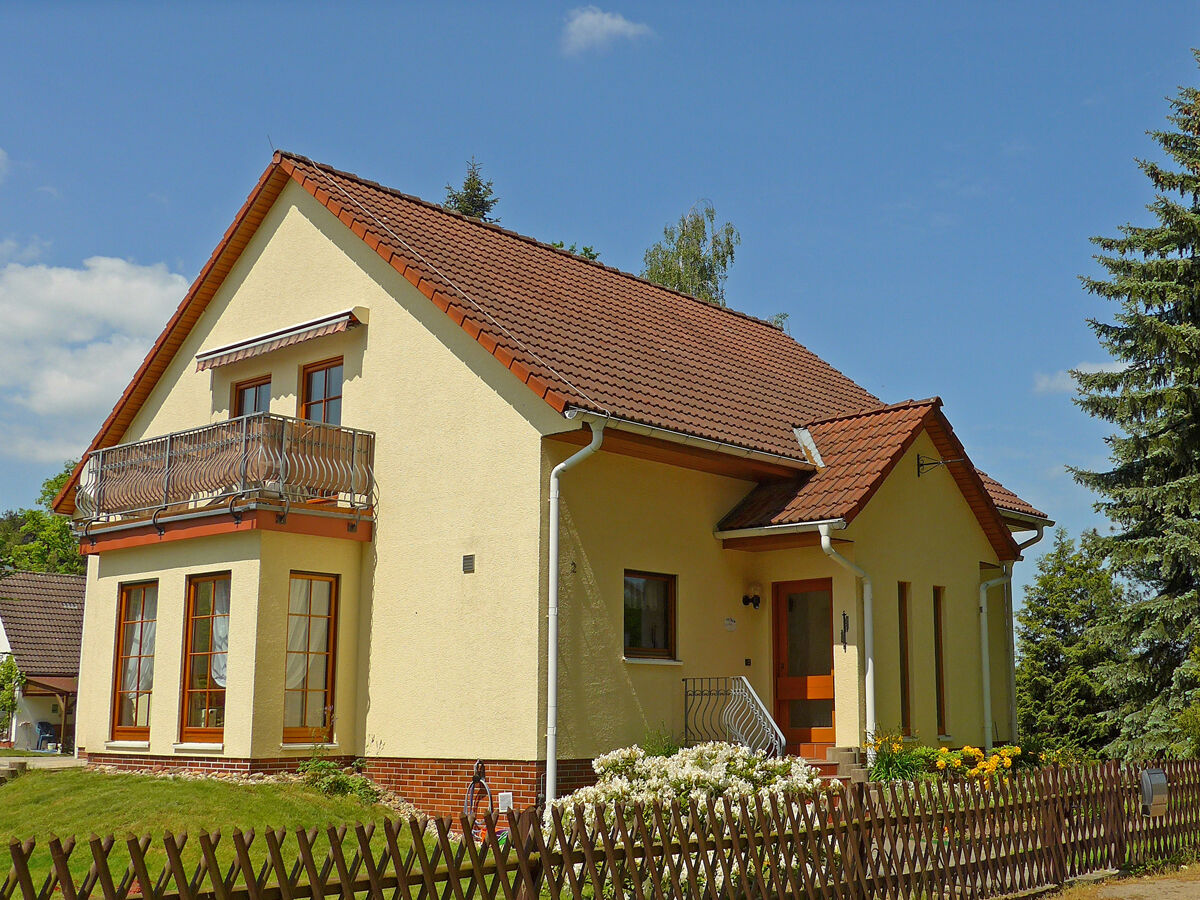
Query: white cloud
{"x": 1061, "y": 382}
{"x": 3, "y": 164}
{"x": 12, "y": 250}
{"x": 71, "y": 339}
{"x": 591, "y": 28}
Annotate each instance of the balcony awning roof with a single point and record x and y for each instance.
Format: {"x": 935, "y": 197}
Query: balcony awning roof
{"x": 257, "y": 346}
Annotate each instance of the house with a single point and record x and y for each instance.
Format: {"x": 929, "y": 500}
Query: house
{"x": 41, "y": 623}
{"x": 399, "y": 484}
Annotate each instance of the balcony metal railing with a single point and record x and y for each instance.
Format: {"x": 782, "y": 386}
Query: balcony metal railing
{"x": 255, "y": 456}
{"x": 729, "y": 709}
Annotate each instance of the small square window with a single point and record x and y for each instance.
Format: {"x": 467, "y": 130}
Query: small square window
{"x": 649, "y": 615}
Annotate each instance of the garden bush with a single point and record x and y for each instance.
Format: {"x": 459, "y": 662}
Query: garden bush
{"x": 331, "y": 779}
{"x": 715, "y": 771}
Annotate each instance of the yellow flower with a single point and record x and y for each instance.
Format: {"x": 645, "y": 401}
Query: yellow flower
{"x": 896, "y": 747}
{"x": 1007, "y": 762}
{"x": 941, "y": 764}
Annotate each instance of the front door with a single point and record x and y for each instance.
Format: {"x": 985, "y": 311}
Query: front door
{"x": 803, "y": 612}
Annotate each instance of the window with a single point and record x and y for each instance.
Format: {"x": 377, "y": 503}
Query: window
{"x": 905, "y": 681}
{"x": 649, "y": 615}
{"x": 308, "y": 680}
{"x": 134, "y": 682}
{"x": 252, "y": 396}
{"x": 321, "y": 400}
{"x": 206, "y": 656}
{"x": 939, "y": 665}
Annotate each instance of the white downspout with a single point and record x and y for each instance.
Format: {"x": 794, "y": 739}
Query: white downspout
{"x": 552, "y": 629}
{"x": 868, "y": 621}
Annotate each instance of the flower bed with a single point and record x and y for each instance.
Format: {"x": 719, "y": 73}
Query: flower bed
{"x": 715, "y": 771}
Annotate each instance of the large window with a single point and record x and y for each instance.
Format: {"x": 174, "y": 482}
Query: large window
{"x": 308, "y": 681}
{"x": 206, "y": 652}
{"x": 939, "y": 664}
{"x": 252, "y": 396}
{"x": 321, "y": 400}
{"x": 134, "y": 681}
{"x": 905, "y": 675}
{"x": 649, "y": 615}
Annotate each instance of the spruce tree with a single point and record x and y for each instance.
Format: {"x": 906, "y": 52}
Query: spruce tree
{"x": 1151, "y": 493}
{"x": 475, "y": 198}
{"x": 1063, "y": 646}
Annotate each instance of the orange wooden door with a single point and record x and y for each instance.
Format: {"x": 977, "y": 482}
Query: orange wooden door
{"x": 803, "y": 626}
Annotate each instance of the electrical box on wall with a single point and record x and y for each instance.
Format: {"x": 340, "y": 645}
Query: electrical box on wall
{"x": 468, "y": 563}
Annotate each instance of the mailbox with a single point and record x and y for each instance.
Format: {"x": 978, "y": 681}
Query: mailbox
{"x": 1154, "y": 792}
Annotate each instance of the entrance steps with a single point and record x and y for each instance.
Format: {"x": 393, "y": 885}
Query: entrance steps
{"x": 845, "y": 763}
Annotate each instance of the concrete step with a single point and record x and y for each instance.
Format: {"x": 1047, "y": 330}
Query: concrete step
{"x": 825, "y": 768}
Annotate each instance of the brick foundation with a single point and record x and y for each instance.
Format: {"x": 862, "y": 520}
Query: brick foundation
{"x": 439, "y": 786}
{"x": 142, "y": 762}
{"x": 435, "y": 786}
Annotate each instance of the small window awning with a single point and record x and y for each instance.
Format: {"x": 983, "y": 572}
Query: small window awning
{"x": 276, "y": 340}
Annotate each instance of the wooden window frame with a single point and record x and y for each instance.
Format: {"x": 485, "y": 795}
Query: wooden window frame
{"x": 305, "y": 400}
{"x": 240, "y": 386}
{"x": 903, "y": 592}
{"x": 130, "y": 732}
{"x": 646, "y": 652}
{"x": 939, "y": 660}
{"x": 304, "y": 734}
{"x": 190, "y": 733}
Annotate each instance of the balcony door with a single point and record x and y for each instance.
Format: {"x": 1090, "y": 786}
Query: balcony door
{"x": 803, "y": 631}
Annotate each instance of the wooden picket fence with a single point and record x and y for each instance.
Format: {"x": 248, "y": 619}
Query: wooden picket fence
{"x": 926, "y": 840}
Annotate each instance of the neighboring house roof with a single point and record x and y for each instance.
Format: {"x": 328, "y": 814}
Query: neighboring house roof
{"x": 859, "y": 452}
{"x": 578, "y": 333}
{"x": 42, "y": 615}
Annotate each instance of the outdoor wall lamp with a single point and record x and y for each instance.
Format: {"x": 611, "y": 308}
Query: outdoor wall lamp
{"x": 753, "y": 596}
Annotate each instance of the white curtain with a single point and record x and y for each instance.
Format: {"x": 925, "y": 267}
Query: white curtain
{"x": 297, "y": 639}
{"x": 144, "y": 641}
{"x": 220, "y": 635}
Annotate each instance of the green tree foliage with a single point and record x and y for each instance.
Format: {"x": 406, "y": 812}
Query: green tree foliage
{"x": 44, "y": 542}
{"x": 585, "y": 251}
{"x": 475, "y": 198}
{"x": 1152, "y": 490}
{"x": 10, "y": 681}
{"x": 1064, "y": 646}
{"x": 694, "y": 256}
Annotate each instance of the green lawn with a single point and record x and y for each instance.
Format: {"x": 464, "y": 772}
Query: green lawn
{"x": 81, "y": 802}
{"x": 4, "y": 751}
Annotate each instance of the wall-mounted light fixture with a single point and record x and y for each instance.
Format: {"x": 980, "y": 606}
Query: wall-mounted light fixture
{"x": 753, "y": 596}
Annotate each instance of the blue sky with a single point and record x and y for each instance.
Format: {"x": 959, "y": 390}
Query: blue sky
{"x": 914, "y": 183}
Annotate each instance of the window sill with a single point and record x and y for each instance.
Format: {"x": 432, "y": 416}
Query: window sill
{"x": 126, "y": 745}
{"x": 301, "y": 745}
{"x": 651, "y": 661}
{"x": 945, "y": 737}
{"x": 189, "y": 747}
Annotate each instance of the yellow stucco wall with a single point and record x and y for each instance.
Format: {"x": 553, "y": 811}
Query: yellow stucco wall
{"x": 170, "y": 564}
{"x": 439, "y": 654}
{"x": 920, "y": 530}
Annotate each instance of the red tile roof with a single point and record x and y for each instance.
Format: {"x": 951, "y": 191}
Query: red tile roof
{"x": 42, "y": 617}
{"x": 578, "y": 333}
{"x": 1007, "y": 500}
{"x": 859, "y": 451}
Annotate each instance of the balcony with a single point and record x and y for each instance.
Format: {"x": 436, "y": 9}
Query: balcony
{"x": 261, "y": 458}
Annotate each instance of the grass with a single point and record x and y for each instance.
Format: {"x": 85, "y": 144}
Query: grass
{"x": 4, "y": 751}
{"x": 80, "y": 802}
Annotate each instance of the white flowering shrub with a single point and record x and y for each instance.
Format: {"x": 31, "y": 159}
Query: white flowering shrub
{"x": 629, "y": 779}
{"x": 695, "y": 774}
